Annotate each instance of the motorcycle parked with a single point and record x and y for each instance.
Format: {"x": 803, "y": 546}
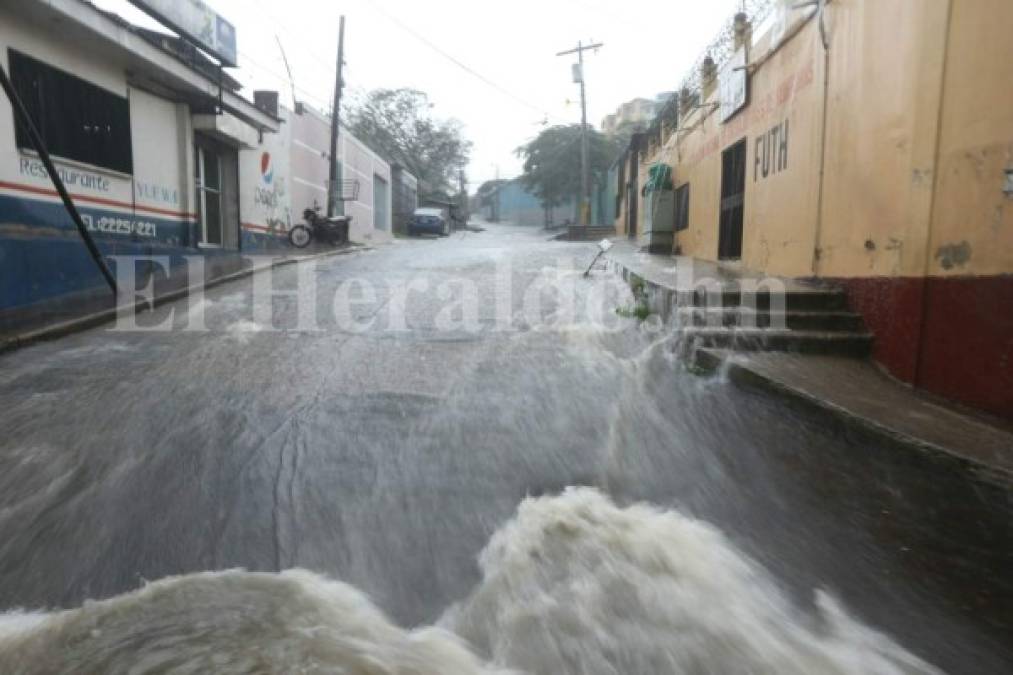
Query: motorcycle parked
{"x": 333, "y": 230}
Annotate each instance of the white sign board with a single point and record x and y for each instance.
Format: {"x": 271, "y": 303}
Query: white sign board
{"x": 197, "y": 22}
{"x": 733, "y": 85}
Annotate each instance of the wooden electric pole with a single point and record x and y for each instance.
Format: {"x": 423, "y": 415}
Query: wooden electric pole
{"x": 585, "y": 170}
{"x": 333, "y": 188}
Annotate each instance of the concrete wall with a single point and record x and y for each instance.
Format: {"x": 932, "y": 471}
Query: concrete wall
{"x": 967, "y": 339}
{"x": 43, "y": 263}
{"x": 46, "y": 273}
{"x": 45, "y": 270}
{"x": 891, "y": 182}
{"x": 518, "y": 206}
{"x": 935, "y": 283}
{"x": 975, "y": 144}
{"x": 889, "y": 116}
{"x": 781, "y": 194}
{"x": 886, "y": 65}
{"x": 265, "y": 189}
{"x": 310, "y": 133}
{"x": 158, "y": 186}
{"x": 310, "y": 143}
{"x": 360, "y": 163}
{"x": 161, "y": 136}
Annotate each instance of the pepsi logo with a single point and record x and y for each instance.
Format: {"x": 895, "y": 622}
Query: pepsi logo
{"x": 266, "y": 168}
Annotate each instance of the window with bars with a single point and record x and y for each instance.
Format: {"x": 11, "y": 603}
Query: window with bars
{"x": 77, "y": 120}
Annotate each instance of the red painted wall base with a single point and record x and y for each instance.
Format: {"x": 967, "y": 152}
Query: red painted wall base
{"x": 952, "y": 336}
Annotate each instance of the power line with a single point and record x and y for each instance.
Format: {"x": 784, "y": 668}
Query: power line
{"x": 506, "y": 92}
{"x": 300, "y": 41}
{"x": 463, "y": 66}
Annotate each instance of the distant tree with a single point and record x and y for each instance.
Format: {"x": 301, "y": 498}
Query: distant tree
{"x": 487, "y": 189}
{"x": 398, "y": 124}
{"x": 552, "y": 162}
{"x": 486, "y": 196}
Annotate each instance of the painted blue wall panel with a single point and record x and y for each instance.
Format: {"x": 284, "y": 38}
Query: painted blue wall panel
{"x": 43, "y": 257}
{"x": 518, "y": 205}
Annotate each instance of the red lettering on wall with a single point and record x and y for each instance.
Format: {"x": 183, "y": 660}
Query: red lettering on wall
{"x": 761, "y": 108}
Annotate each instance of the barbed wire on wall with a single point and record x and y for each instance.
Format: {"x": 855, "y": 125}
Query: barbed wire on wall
{"x": 719, "y": 51}
{"x": 722, "y": 47}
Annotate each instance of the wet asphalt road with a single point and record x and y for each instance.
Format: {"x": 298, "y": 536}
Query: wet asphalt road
{"x": 387, "y": 458}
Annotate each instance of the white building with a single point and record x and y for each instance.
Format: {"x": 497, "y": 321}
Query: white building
{"x": 160, "y": 154}
{"x": 366, "y": 178}
{"x": 146, "y": 143}
{"x": 637, "y": 111}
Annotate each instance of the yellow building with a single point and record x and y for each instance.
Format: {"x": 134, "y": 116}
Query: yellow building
{"x": 871, "y": 145}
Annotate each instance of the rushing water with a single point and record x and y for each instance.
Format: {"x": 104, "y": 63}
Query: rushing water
{"x": 720, "y": 530}
{"x": 572, "y": 584}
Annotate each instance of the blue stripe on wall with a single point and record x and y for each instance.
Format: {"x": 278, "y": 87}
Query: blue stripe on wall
{"x": 43, "y": 257}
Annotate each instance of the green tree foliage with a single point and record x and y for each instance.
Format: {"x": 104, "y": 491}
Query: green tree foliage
{"x": 399, "y": 124}
{"x": 552, "y": 162}
{"x": 487, "y": 189}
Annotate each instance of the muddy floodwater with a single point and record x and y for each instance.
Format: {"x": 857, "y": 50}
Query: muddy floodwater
{"x": 557, "y": 493}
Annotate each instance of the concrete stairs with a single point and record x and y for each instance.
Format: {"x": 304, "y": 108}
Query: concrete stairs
{"x": 830, "y": 320}
{"x": 719, "y": 307}
{"x": 766, "y": 339}
{"x": 803, "y": 320}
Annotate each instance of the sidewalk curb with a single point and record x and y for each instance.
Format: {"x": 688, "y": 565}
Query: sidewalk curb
{"x": 81, "y": 323}
{"x": 845, "y": 420}
{"x": 742, "y": 374}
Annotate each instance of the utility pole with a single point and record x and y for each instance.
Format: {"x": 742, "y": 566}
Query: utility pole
{"x": 333, "y": 188}
{"x": 585, "y": 176}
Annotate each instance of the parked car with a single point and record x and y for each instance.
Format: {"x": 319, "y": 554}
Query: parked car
{"x": 427, "y": 220}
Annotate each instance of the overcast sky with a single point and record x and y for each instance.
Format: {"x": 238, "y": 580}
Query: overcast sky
{"x": 513, "y": 45}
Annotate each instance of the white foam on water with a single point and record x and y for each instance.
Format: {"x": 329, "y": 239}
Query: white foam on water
{"x": 233, "y": 299}
{"x": 16, "y": 624}
{"x": 243, "y": 330}
{"x": 230, "y": 622}
{"x": 572, "y": 585}
{"x": 575, "y": 584}
{"x": 197, "y": 309}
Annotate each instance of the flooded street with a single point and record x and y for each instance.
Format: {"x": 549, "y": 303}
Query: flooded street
{"x": 712, "y": 528}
